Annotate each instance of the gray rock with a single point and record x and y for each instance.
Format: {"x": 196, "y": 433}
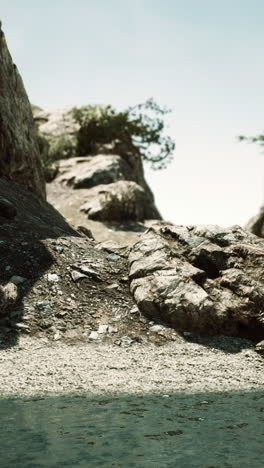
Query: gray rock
{"x": 102, "y": 329}
{"x": 256, "y": 224}
{"x": 53, "y": 278}
{"x": 8, "y": 298}
{"x": 120, "y": 201}
{"x": 20, "y": 159}
{"x": 93, "y": 335}
{"x": 156, "y": 328}
{"x": 260, "y": 347}
{"x": 7, "y": 209}
{"x": 17, "y": 279}
{"x": 113, "y": 257}
{"x": 91, "y": 171}
{"x": 77, "y": 275}
{"x": 126, "y": 341}
{"x": 44, "y": 306}
{"x": 201, "y": 278}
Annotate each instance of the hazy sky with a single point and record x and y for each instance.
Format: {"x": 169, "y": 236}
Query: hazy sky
{"x": 201, "y": 58}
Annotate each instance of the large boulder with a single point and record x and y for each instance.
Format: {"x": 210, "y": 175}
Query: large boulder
{"x": 19, "y": 153}
{"x": 109, "y": 162}
{"x": 119, "y": 201}
{"x": 201, "y": 278}
{"x": 87, "y": 172}
{"x": 256, "y": 224}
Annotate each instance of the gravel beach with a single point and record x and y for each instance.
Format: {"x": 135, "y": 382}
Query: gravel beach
{"x": 34, "y": 367}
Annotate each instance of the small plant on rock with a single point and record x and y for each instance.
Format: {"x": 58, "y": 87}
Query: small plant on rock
{"x": 141, "y": 126}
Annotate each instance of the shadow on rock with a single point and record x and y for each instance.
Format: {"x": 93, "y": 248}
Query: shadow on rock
{"x": 227, "y": 344}
{"x": 25, "y": 222}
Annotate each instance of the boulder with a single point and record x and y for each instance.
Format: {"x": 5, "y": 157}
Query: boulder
{"x": 8, "y": 297}
{"x": 19, "y": 152}
{"x": 201, "y": 278}
{"x": 109, "y": 162}
{"x": 88, "y": 172}
{"x": 120, "y": 201}
{"x": 256, "y": 224}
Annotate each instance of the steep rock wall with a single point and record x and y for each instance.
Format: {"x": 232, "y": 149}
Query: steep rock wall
{"x": 19, "y": 153}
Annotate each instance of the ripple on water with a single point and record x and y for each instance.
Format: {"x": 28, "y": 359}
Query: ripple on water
{"x": 214, "y": 430}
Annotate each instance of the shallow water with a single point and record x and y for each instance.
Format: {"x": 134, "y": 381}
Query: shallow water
{"x": 199, "y": 430}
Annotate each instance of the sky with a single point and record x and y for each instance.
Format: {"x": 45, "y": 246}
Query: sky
{"x": 201, "y": 58}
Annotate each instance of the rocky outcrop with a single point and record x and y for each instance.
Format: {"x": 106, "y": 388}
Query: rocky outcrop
{"x": 256, "y": 224}
{"x": 110, "y": 163}
{"x": 87, "y": 172}
{"x": 19, "y": 153}
{"x": 202, "y": 278}
{"x": 120, "y": 201}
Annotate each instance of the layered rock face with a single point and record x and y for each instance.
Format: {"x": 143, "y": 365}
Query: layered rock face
{"x": 19, "y": 153}
{"x": 256, "y": 224}
{"x": 202, "y": 278}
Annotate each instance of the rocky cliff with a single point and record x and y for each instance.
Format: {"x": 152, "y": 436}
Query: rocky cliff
{"x": 19, "y": 153}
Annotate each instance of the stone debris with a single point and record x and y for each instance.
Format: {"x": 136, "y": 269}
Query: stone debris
{"x": 102, "y": 329}
{"x": 93, "y": 335}
{"x": 8, "y": 298}
{"x": 260, "y": 347}
{"x": 17, "y": 279}
{"x": 77, "y": 275}
{"x": 113, "y": 257}
{"x": 156, "y": 328}
{"x": 53, "y": 278}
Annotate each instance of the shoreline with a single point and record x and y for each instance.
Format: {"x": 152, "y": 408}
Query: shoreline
{"x": 33, "y": 367}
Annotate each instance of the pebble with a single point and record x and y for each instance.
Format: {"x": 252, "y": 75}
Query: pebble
{"x": 17, "y": 279}
{"x": 126, "y": 341}
{"x": 76, "y": 275}
{"x": 156, "y": 328}
{"x": 102, "y": 329}
{"x": 22, "y": 326}
{"x": 53, "y": 278}
{"x": 113, "y": 257}
{"x": 113, "y": 286}
{"x": 93, "y": 335}
{"x": 44, "y": 306}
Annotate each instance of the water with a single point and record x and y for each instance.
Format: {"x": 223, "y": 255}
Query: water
{"x": 183, "y": 431}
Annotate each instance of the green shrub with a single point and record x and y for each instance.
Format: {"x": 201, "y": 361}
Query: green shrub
{"x": 50, "y": 168}
{"x": 141, "y": 126}
{"x": 61, "y": 148}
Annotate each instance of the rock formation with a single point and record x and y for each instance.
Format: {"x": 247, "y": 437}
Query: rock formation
{"x": 202, "y": 278}
{"x": 112, "y": 163}
{"x": 19, "y": 153}
{"x": 256, "y": 224}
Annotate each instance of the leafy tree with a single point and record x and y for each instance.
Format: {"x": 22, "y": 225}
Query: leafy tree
{"x": 259, "y": 139}
{"x": 141, "y": 126}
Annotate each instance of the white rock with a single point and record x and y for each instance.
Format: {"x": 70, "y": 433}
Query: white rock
{"x": 102, "y": 329}
{"x": 93, "y": 335}
{"x": 156, "y": 328}
{"x": 53, "y": 278}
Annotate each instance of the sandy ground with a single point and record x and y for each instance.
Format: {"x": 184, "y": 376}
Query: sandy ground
{"x": 35, "y": 367}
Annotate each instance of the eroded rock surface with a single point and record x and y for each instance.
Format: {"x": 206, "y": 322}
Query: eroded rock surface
{"x": 120, "y": 201}
{"x": 88, "y": 172}
{"x": 204, "y": 278}
{"x": 256, "y": 224}
{"x": 19, "y": 153}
